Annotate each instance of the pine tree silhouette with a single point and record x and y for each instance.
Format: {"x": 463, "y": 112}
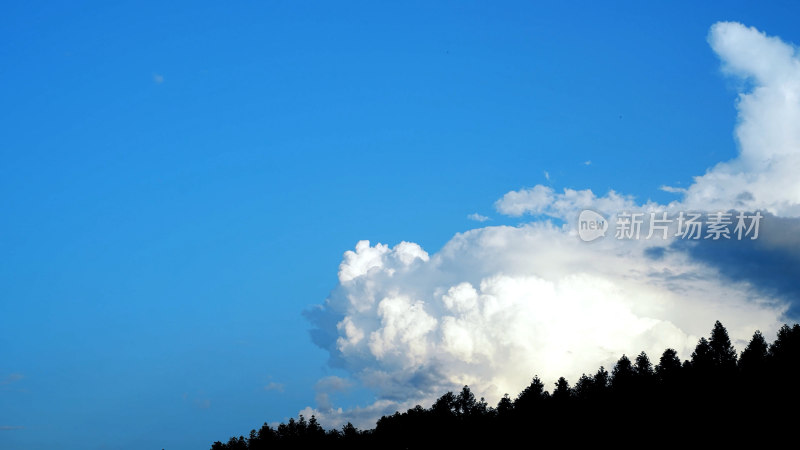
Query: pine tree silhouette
{"x": 645, "y": 402}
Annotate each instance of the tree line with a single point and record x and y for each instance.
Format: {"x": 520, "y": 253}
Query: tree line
{"x": 716, "y": 396}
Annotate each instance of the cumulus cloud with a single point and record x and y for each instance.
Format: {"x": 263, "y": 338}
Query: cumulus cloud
{"x": 531, "y": 201}
{"x": 497, "y": 305}
{"x": 764, "y": 175}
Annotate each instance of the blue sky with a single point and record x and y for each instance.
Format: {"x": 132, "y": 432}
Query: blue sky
{"x": 179, "y": 182}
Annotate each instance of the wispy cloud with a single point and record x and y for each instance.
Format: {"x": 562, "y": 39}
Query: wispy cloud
{"x": 327, "y": 386}
{"x": 158, "y": 78}
{"x": 273, "y": 386}
{"x": 11, "y": 378}
{"x": 199, "y": 401}
{"x": 333, "y": 384}
{"x": 478, "y": 217}
{"x": 11, "y": 427}
{"x": 673, "y": 190}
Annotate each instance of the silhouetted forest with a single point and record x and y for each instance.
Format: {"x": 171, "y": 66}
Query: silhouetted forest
{"x": 716, "y": 396}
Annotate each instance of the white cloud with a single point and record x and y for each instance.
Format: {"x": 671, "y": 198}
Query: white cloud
{"x": 764, "y": 174}
{"x": 365, "y": 258}
{"x": 327, "y": 386}
{"x": 673, "y": 190}
{"x": 158, "y": 79}
{"x": 565, "y": 205}
{"x": 363, "y": 417}
{"x": 531, "y": 201}
{"x": 273, "y": 386}
{"x": 333, "y": 383}
{"x": 478, "y": 217}
{"x": 497, "y": 305}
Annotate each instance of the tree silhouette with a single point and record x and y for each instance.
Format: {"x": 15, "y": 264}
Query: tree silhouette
{"x": 702, "y": 357}
{"x": 446, "y": 405}
{"x": 669, "y": 365}
{"x": 786, "y": 346}
{"x": 530, "y": 396}
{"x": 784, "y": 361}
{"x": 505, "y": 406}
{"x": 562, "y": 392}
{"x": 622, "y": 374}
{"x": 584, "y": 388}
{"x": 643, "y": 375}
{"x": 465, "y": 402}
{"x": 349, "y": 431}
{"x": 602, "y": 382}
{"x": 722, "y": 352}
{"x": 635, "y": 397}
{"x": 754, "y": 357}
{"x": 643, "y": 367}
